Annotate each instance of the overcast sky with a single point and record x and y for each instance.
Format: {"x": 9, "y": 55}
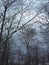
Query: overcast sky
{"x": 33, "y": 9}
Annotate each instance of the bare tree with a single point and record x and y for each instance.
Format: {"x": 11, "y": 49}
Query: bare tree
{"x": 10, "y": 24}
{"x": 27, "y": 34}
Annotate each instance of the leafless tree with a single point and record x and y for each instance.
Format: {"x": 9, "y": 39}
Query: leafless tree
{"x": 27, "y": 33}
{"x": 11, "y": 23}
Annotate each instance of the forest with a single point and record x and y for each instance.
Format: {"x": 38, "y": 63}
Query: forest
{"x": 24, "y": 32}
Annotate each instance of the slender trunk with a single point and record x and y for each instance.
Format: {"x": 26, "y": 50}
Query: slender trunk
{"x": 6, "y": 59}
{"x": 7, "y": 54}
{"x": 28, "y": 55}
{"x": 2, "y": 26}
{"x": 4, "y": 52}
{"x": 36, "y": 57}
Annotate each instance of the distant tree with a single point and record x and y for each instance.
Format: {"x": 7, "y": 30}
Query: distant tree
{"x": 27, "y": 33}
